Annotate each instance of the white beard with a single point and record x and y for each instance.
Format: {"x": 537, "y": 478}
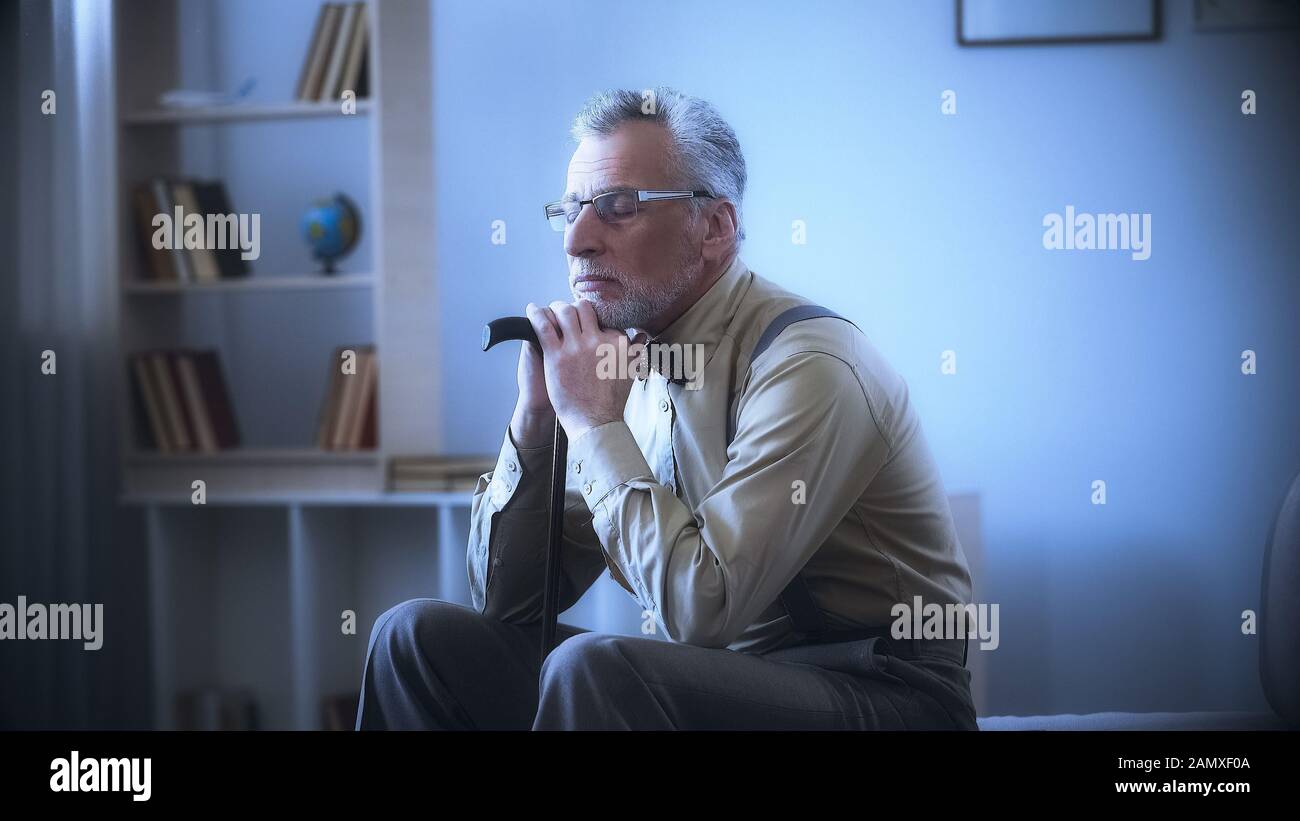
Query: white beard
{"x": 640, "y": 302}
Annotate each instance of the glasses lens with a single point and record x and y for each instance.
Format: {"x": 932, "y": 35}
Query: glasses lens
{"x": 616, "y": 205}
{"x": 557, "y": 214}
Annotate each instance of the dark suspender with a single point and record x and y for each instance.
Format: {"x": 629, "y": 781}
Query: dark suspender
{"x": 796, "y": 598}
{"x": 797, "y": 601}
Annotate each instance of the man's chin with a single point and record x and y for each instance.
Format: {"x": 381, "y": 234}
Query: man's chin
{"x": 613, "y": 314}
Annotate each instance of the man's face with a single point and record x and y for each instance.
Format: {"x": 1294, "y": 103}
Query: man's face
{"x": 636, "y": 272}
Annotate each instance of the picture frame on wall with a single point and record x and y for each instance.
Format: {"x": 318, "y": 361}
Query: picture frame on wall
{"x": 1042, "y": 22}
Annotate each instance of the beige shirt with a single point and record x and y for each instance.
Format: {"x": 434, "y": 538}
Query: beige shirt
{"x": 828, "y": 473}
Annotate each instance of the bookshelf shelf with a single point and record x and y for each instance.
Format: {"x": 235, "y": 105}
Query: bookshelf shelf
{"x": 260, "y": 282}
{"x": 239, "y": 113}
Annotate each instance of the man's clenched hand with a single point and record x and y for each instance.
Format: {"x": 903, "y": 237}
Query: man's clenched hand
{"x": 573, "y": 345}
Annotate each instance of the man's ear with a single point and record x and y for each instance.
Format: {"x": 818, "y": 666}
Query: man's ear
{"x": 719, "y": 230}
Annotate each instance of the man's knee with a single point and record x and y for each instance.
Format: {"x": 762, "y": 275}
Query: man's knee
{"x": 586, "y": 655}
{"x": 580, "y": 676}
{"x": 403, "y": 628}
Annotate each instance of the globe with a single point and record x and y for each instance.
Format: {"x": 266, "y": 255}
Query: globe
{"x": 331, "y": 228}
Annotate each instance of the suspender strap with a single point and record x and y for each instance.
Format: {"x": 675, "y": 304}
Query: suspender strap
{"x": 797, "y": 601}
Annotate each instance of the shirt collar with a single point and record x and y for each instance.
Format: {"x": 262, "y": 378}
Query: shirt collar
{"x": 705, "y": 322}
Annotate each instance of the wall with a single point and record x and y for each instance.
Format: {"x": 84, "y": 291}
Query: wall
{"x": 927, "y": 231}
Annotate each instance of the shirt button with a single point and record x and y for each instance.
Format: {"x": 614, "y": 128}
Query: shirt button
{"x": 587, "y": 488}
{"x": 510, "y": 466}
{"x": 577, "y": 467}
{"x": 663, "y": 405}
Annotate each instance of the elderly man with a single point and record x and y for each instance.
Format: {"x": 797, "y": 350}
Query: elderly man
{"x": 769, "y": 515}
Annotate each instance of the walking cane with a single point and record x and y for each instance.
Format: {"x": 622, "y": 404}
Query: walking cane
{"x": 518, "y": 327}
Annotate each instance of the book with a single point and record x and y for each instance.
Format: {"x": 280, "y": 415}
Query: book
{"x": 313, "y": 49}
{"x": 348, "y": 416}
{"x": 329, "y": 407}
{"x": 438, "y": 473}
{"x": 356, "y": 55}
{"x": 195, "y": 403}
{"x": 160, "y": 263}
{"x": 216, "y": 398}
{"x": 162, "y": 192}
{"x": 320, "y": 52}
{"x": 367, "y": 373}
{"x": 182, "y": 402}
{"x": 329, "y": 89}
{"x": 202, "y": 259}
{"x": 154, "y": 434}
{"x": 178, "y": 431}
{"x": 212, "y": 200}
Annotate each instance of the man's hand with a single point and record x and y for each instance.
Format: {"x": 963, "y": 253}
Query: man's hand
{"x": 533, "y": 423}
{"x": 573, "y": 345}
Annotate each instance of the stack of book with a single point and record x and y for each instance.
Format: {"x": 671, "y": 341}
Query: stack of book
{"x": 181, "y": 402}
{"x": 438, "y": 473}
{"x": 169, "y": 260}
{"x": 348, "y": 418}
{"x": 336, "y": 54}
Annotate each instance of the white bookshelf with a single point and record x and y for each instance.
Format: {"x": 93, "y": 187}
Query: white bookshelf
{"x": 246, "y": 591}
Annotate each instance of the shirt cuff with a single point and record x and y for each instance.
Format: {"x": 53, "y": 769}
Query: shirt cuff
{"x": 603, "y": 458}
{"x": 522, "y": 475}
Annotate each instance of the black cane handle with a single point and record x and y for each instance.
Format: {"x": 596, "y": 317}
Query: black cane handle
{"x": 507, "y": 328}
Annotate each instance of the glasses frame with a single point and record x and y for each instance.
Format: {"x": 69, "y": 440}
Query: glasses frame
{"x": 558, "y": 209}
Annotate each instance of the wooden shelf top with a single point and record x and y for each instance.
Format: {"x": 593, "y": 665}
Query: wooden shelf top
{"x": 243, "y": 112}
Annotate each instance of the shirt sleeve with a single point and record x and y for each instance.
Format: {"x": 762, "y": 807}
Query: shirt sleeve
{"x": 509, "y": 523}
{"x": 806, "y": 446}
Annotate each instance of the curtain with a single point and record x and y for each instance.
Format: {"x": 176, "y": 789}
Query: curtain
{"x": 65, "y": 538}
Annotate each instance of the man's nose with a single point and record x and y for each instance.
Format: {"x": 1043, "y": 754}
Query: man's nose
{"x": 584, "y": 237}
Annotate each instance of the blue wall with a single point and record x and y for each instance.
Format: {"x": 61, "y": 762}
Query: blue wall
{"x": 927, "y": 230}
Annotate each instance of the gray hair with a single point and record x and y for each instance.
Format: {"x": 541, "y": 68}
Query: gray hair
{"x": 706, "y": 153}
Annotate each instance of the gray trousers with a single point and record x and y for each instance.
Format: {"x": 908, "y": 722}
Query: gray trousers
{"x": 436, "y": 665}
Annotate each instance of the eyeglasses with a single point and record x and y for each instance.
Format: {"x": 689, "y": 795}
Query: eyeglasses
{"x": 612, "y": 206}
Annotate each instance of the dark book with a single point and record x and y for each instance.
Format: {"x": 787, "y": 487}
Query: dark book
{"x": 150, "y": 426}
{"x": 196, "y": 405}
{"x": 212, "y": 200}
{"x": 159, "y": 264}
{"x": 370, "y": 428}
{"x": 221, "y": 413}
{"x": 363, "y": 78}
